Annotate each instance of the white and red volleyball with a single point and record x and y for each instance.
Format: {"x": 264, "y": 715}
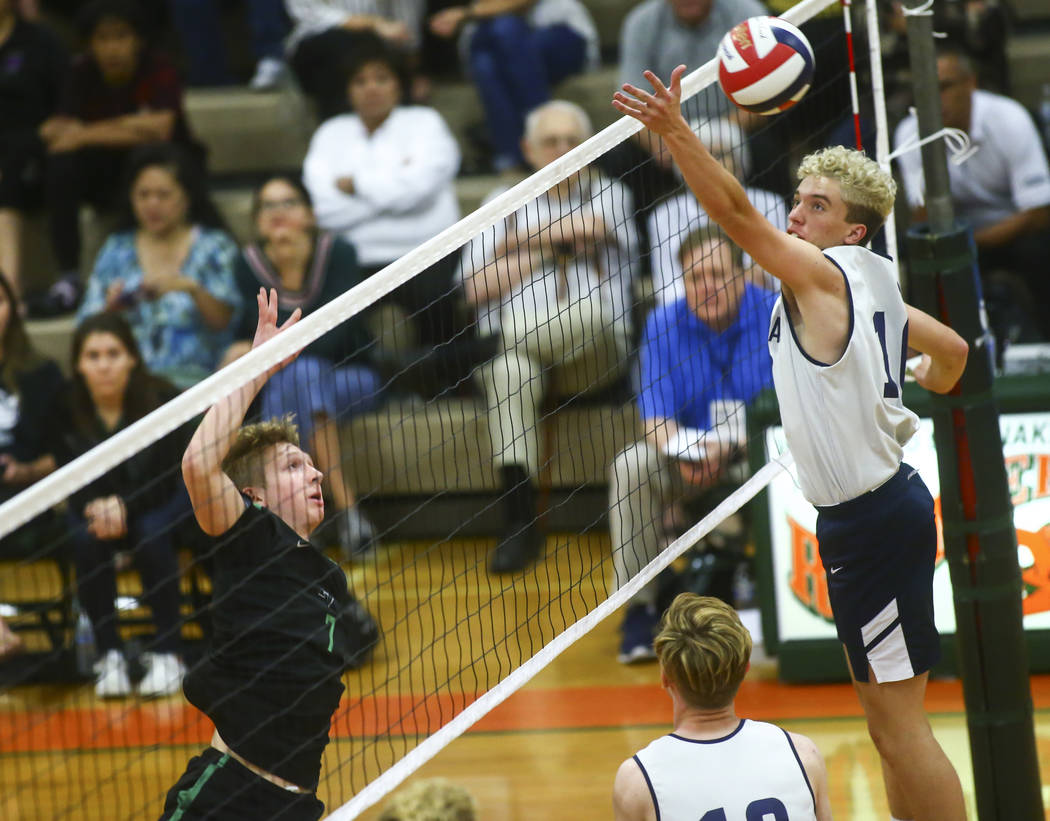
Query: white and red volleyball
{"x": 765, "y": 65}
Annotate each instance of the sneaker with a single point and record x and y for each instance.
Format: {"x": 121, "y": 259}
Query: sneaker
{"x": 270, "y": 73}
{"x": 519, "y": 548}
{"x": 163, "y": 677}
{"x": 356, "y": 535}
{"x": 638, "y": 628}
{"x": 113, "y": 681}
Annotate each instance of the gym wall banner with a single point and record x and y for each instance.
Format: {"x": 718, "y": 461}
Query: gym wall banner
{"x": 803, "y": 614}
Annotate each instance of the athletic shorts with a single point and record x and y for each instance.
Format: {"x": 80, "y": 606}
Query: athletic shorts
{"x": 878, "y": 552}
{"x": 218, "y": 786}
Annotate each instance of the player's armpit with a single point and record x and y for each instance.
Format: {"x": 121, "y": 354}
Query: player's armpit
{"x": 947, "y": 351}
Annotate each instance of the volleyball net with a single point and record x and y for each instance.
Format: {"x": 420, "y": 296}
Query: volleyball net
{"x": 531, "y": 416}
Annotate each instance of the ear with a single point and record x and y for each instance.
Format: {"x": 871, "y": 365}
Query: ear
{"x": 256, "y": 494}
{"x": 856, "y": 235}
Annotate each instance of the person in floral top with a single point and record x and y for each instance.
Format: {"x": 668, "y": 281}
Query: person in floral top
{"x": 169, "y": 269}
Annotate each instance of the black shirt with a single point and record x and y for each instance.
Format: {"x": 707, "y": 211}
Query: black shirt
{"x": 25, "y": 432}
{"x": 280, "y": 643}
{"x": 33, "y": 66}
{"x": 331, "y": 271}
{"x": 145, "y": 480}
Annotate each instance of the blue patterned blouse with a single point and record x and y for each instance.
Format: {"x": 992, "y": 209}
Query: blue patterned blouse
{"x": 174, "y": 339}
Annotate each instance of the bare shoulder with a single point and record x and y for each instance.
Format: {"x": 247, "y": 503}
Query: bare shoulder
{"x": 807, "y": 750}
{"x": 631, "y": 798}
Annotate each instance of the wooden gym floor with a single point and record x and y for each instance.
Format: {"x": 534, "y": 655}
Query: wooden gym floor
{"x": 549, "y": 752}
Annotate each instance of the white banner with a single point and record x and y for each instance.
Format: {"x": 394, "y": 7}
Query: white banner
{"x": 802, "y": 605}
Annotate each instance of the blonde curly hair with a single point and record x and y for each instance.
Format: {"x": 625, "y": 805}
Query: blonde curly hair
{"x": 245, "y": 461}
{"x": 704, "y": 649}
{"x": 432, "y": 799}
{"x": 867, "y": 189}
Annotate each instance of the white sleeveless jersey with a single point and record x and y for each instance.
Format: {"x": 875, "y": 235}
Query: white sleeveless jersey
{"x": 754, "y": 772}
{"x": 845, "y": 422}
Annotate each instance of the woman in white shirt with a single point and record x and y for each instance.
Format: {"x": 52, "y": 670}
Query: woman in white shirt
{"x": 383, "y": 178}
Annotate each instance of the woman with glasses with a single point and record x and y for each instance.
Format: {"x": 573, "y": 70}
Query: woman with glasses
{"x": 333, "y": 379}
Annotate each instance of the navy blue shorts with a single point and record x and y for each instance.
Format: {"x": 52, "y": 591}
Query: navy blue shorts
{"x": 215, "y": 785}
{"x": 878, "y": 552}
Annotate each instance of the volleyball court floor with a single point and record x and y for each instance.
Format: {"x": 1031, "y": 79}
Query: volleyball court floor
{"x": 550, "y": 751}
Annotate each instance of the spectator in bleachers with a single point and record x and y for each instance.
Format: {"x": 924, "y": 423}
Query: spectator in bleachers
{"x": 333, "y": 379}
{"x": 29, "y": 386}
{"x": 383, "y": 178}
{"x": 328, "y": 35}
{"x": 120, "y": 94}
{"x": 673, "y": 218}
{"x": 33, "y": 64}
{"x": 704, "y": 358}
{"x": 552, "y": 283}
{"x": 134, "y": 507}
{"x": 200, "y": 28}
{"x": 517, "y": 52}
{"x": 168, "y": 268}
{"x": 1002, "y": 190}
{"x": 659, "y": 35}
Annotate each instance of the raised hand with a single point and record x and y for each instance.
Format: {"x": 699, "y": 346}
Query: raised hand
{"x": 267, "y": 327}
{"x": 660, "y": 110}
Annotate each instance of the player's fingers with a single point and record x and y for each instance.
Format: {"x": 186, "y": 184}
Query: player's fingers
{"x": 637, "y": 93}
{"x": 296, "y": 315}
{"x": 676, "y": 79}
{"x": 623, "y": 108}
{"x": 658, "y": 85}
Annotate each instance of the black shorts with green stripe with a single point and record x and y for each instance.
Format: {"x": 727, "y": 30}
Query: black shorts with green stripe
{"x": 217, "y": 786}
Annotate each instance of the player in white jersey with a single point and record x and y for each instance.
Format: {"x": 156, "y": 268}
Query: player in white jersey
{"x": 716, "y": 765}
{"x": 838, "y": 338}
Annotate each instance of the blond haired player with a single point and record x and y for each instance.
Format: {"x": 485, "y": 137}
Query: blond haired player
{"x": 714, "y": 765}
{"x": 839, "y": 337}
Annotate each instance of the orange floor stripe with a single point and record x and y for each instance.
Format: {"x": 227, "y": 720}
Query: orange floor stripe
{"x": 140, "y": 725}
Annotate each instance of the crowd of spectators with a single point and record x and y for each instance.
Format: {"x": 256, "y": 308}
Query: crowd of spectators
{"x": 548, "y": 294}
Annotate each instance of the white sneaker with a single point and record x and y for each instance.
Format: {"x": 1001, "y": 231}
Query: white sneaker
{"x": 113, "y": 681}
{"x": 163, "y": 677}
{"x": 269, "y": 74}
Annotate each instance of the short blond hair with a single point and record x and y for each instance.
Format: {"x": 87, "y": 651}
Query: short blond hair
{"x": 246, "y": 459}
{"x": 432, "y": 799}
{"x": 867, "y": 189}
{"x": 704, "y": 649}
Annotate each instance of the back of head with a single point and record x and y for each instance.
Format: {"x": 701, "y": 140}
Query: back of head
{"x": 704, "y": 650}
{"x": 432, "y": 799}
{"x": 867, "y": 189}
{"x": 245, "y": 461}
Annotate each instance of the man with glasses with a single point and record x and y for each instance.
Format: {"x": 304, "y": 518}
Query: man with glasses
{"x": 551, "y": 286}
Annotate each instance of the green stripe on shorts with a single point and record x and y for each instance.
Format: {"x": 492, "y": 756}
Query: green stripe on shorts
{"x": 188, "y": 796}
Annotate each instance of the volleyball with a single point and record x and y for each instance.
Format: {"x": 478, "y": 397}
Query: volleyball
{"x": 765, "y": 65}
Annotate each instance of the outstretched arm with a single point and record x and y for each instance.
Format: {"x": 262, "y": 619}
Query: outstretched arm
{"x": 798, "y": 264}
{"x": 216, "y": 501}
{"x": 943, "y": 351}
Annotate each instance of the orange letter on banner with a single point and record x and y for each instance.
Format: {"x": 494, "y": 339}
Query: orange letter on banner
{"x": 1015, "y": 468}
{"x": 1042, "y": 484}
{"x": 1036, "y": 579}
{"x": 808, "y": 581}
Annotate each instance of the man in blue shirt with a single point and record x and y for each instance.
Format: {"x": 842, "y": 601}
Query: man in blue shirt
{"x": 703, "y": 357}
